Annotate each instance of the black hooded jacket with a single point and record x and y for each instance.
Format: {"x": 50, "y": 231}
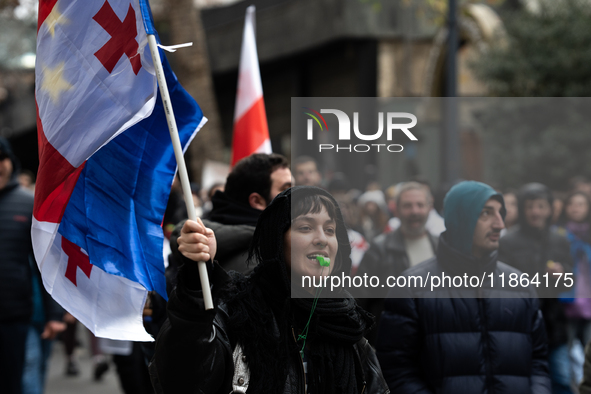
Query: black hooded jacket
{"x": 255, "y": 322}
{"x": 17, "y": 264}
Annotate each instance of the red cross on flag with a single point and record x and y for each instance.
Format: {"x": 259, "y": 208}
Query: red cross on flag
{"x": 122, "y": 42}
{"x": 86, "y": 51}
{"x": 251, "y": 133}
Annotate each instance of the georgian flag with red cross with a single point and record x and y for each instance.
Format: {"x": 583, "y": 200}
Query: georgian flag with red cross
{"x": 106, "y": 161}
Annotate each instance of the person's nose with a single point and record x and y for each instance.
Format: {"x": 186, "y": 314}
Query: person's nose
{"x": 499, "y": 223}
{"x": 320, "y": 240}
{"x": 415, "y": 209}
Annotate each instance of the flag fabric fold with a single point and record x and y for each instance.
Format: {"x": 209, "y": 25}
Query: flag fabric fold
{"x": 251, "y": 132}
{"x": 106, "y": 161}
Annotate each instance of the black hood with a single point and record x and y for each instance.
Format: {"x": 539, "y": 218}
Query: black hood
{"x": 267, "y": 316}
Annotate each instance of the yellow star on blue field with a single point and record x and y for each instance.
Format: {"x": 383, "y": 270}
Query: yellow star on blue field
{"x": 54, "y": 83}
{"x": 53, "y": 19}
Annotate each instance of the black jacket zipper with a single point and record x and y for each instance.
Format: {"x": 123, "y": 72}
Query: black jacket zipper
{"x": 485, "y": 346}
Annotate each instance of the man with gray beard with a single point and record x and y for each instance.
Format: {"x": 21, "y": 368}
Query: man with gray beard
{"x": 392, "y": 253}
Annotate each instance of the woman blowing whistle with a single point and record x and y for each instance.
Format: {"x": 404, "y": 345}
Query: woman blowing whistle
{"x": 265, "y": 335}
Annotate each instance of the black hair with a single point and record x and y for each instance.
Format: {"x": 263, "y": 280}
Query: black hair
{"x": 313, "y": 204}
{"x": 253, "y": 175}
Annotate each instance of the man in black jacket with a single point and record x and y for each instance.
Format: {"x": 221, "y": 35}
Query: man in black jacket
{"x": 394, "y": 252}
{"x": 250, "y": 187}
{"x": 534, "y": 247}
{"x": 16, "y": 275}
{"x": 464, "y": 338}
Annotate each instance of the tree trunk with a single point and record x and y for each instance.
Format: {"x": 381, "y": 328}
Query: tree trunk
{"x": 193, "y": 72}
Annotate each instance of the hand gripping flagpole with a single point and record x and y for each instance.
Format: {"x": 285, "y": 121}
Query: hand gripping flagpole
{"x": 178, "y": 152}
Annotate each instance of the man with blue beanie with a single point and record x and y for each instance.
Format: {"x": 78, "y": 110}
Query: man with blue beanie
{"x": 466, "y": 333}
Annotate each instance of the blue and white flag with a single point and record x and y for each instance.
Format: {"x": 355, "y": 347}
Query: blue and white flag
{"x": 106, "y": 161}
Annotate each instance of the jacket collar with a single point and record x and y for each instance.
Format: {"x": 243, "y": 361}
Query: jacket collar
{"x": 228, "y": 211}
{"x": 453, "y": 260}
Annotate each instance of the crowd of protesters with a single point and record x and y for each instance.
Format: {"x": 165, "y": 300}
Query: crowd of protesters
{"x": 261, "y": 338}
{"x": 506, "y": 342}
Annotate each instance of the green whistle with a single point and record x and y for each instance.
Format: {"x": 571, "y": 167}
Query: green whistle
{"x": 324, "y": 262}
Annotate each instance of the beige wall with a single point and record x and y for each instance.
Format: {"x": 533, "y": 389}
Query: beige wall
{"x": 402, "y": 67}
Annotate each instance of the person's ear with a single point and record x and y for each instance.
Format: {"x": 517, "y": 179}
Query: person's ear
{"x": 257, "y": 201}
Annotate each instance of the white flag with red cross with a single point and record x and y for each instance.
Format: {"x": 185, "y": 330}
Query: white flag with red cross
{"x": 251, "y": 132}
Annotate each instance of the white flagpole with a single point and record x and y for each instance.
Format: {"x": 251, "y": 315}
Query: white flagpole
{"x": 178, "y": 152}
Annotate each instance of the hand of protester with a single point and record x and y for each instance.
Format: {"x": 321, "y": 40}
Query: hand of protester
{"x": 197, "y": 242}
{"x": 554, "y": 268}
{"x": 52, "y": 328}
{"x": 69, "y": 319}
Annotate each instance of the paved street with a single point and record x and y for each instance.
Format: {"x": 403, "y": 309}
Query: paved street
{"x": 59, "y": 383}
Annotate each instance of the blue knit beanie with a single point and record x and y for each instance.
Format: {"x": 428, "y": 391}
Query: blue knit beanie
{"x": 461, "y": 209}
